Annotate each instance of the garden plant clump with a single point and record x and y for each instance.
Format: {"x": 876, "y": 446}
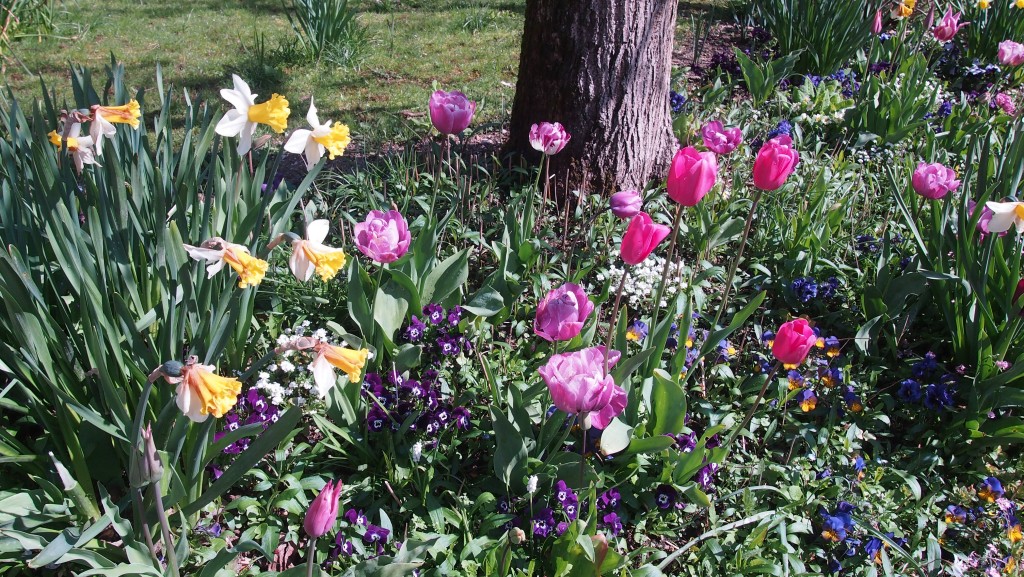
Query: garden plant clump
{"x": 798, "y": 351}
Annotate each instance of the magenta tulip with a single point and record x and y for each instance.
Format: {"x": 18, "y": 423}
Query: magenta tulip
{"x": 793, "y": 341}
{"x": 948, "y": 26}
{"x": 549, "y": 138}
{"x": 561, "y": 314}
{"x": 626, "y": 204}
{"x": 876, "y": 26}
{"x": 579, "y": 385}
{"x": 384, "y": 236}
{"x": 642, "y": 235}
{"x": 451, "y": 112}
{"x": 1011, "y": 53}
{"x": 933, "y": 181}
{"x": 719, "y": 139}
{"x": 691, "y": 175}
{"x": 774, "y": 163}
{"x": 323, "y": 511}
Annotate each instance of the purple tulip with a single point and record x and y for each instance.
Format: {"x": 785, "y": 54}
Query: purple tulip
{"x": 626, "y": 204}
{"x": 384, "y": 236}
{"x": 323, "y": 512}
{"x": 719, "y": 139}
{"x": 561, "y": 314}
{"x": 934, "y": 180}
{"x": 549, "y": 138}
{"x": 1011, "y": 53}
{"x": 451, "y": 112}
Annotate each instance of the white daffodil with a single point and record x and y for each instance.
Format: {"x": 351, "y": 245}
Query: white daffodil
{"x": 1005, "y": 215}
{"x": 219, "y": 252}
{"x": 313, "y": 143}
{"x": 79, "y": 147}
{"x": 247, "y": 114}
{"x": 309, "y": 254}
{"x": 104, "y": 118}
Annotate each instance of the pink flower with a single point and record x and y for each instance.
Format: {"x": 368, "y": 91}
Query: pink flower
{"x": 561, "y": 314}
{"x": 626, "y": 204}
{"x": 1004, "y": 102}
{"x": 384, "y": 236}
{"x": 579, "y": 385}
{"x": 934, "y": 180}
{"x": 323, "y": 511}
{"x": 793, "y": 341}
{"x": 721, "y": 140}
{"x": 549, "y": 138}
{"x": 691, "y": 175}
{"x": 948, "y": 26}
{"x": 642, "y": 235}
{"x": 876, "y": 26}
{"x": 451, "y": 112}
{"x": 1011, "y": 53}
{"x": 983, "y": 220}
{"x": 774, "y": 163}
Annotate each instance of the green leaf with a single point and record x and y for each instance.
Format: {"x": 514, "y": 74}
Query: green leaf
{"x": 446, "y": 277}
{"x": 668, "y": 405}
{"x": 389, "y": 308}
{"x": 511, "y": 447}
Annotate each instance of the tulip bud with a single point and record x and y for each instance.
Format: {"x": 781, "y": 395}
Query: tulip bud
{"x": 323, "y": 511}
{"x": 450, "y": 112}
{"x": 774, "y": 163}
{"x": 691, "y": 175}
{"x": 516, "y": 536}
{"x": 876, "y": 26}
{"x": 147, "y": 467}
{"x": 626, "y": 204}
{"x": 642, "y": 236}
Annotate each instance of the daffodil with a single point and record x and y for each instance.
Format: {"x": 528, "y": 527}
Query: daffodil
{"x": 104, "y": 118}
{"x": 247, "y": 114}
{"x": 310, "y": 254}
{"x": 202, "y": 393}
{"x": 220, "y": 252}
{"x": 904, "y": 9}
{"x": 1005, "y": 215}
{"x": 984, "y": 4}
{"x": 1019, "y": 4}
{"x": 329, "y": 357}
{"x": 79, "y": 147}
{"x": 323, "y": 137}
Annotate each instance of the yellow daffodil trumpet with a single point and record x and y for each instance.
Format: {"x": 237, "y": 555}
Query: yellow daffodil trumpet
{"x": 219, "y": 252}
{"x": 200, "y": 391}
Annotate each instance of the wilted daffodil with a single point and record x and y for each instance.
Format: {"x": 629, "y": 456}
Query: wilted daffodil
{"x": 323, "y": 137}
{"x": 200, "y": 392}
{"x": 79, "y": 147}
{"x": 219, "y": 251}
{"x": 310, "y": 254}
{"x": 104, "y": 118}
{"x": 329, "y": 357}
{"x": 247, "y": 114}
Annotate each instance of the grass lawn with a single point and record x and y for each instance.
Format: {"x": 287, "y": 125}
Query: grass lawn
{"x": 470, "y": 45}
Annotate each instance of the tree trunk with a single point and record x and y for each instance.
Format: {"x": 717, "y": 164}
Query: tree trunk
{"x": 601, "y": 68}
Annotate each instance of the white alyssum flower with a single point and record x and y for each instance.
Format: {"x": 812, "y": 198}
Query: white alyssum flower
{"x": 417, "y": 451}
{"x": 531, "y": 484}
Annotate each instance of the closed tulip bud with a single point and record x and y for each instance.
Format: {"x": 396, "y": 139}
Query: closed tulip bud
{"x": 691, "y": 175}
{"x": 948, "y": 26}
{"x": 774, "y": 163}
{"x": 1011, "y": 53}
{"x": 642, "y": 235}
{"x": 549, "y": 138}
{"x": 323, "y": 512}
{"x": 626, "y": 204}
{"x": 934, "y": 181}
{"x": 561, "y": 314}
{"x": 793, "y": 341}
{"x": 876, "y": 26}
{"x": 450, "y": 112}
{"x": 1017, "y": 293}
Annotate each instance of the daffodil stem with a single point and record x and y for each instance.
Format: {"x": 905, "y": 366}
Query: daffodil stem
{"x": 165, "y": 527}
{"x": 615, "y": 315}
{"x": 311, "y": 557}
{"x": 736, "y": 261}
{"x": 146, "y": 533}
{"x": 664, "y": 270}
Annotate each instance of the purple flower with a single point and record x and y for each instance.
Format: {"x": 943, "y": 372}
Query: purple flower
{"x": 415, "y": 330}
{"x": 564, "y": 494}
{"x": 231, "y": 421}
{"x": 346, "y": 547}
{"x": 504, "y": 505}
{"x": 454, "y": 315}
{"x": 665, "y": 496}
{"x": 384, "y": 236}
{"x": 449, "y": 346}
{"x": 461, "y": 416}
{"x": 376, "y": 419}
{"x": 612, "y": 522}
{"x": 375, "y": 534}
{"x": 215, "y": 472}
{"x": 561, "y": 528}
{"x": 256, "y": 400}
{"x": 543, "y": 522}
{"x": 609, "y": 500}
{"x": 434, "y": 312}
{"x": 562, "y": 312}
{"x": 706, "y": 475}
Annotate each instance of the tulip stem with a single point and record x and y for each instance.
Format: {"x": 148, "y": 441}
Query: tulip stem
{"x": 311, "y": 557}
{"x": 165, "y": 527}
{"x": 736, "y": 261}
{"x": 753, "y": 408}
{"x": 615, "y": 315}
{"x": 664, "y": 270}
{"x": 583, "y": 443}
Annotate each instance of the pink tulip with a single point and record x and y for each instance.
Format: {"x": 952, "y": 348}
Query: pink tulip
{"x": 691, "y": 175}
{"x": 1011, "y": 53}
{"x": 451, "y": 112}
{"x": 626, "y": 204}
{"x": 793, "y": 341}
{"x": 948, "y": 26}
{"x": 774, "y": 163}
{"x": 323, "y": 511}
{"x": 642, "y": 235}
{"x": 721, "y": 140}
{"x": 384, "y": 236}
{"x": 876, "y": 26}
{"x": 933, "y": 181}
{"x": 1005, "y": 103}
{"x": 561, "y": 314}
{"x": 579, "y": 385}
{"x": 549, "y": 138}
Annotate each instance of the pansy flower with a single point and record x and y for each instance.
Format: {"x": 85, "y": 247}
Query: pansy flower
{"x": 990, "y": 489}
{"x": 637, "y": 331}
{"x": 832, "y": 347}
{"x": 665, "y": 496}
{"x": 955, "y": 514}
{"x": 807, "y": 400}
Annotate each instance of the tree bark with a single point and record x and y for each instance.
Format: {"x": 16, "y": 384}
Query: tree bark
{"x": 602, "y": 68}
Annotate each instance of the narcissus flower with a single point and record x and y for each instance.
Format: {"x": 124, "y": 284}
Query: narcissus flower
{"x": 79, "y": 147}
{"x": 312, "y": 144}
{"x": 219, "y": 252}
{"x": 1005, "y": 215}
{"x": 329, "y": 357}
{"x": 202, "y": 393}
{"x": 104, "y": 118}
{"x": 247, "y": 114}
{"x": 310, "y": 254}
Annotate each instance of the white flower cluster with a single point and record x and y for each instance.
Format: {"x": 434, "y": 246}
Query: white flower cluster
{"x": 290, "y": 379}
{"x": 643, "y": 282}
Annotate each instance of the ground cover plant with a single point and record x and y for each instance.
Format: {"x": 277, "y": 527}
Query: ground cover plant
{"x": 798, "y": 351}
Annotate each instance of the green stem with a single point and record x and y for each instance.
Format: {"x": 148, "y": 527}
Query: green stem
{"x": 140, "y": 514}
{"x": 165, "y": 527}
{"x": 753, "y": 408}
{"x": 311, "y": 557}
{"x": 664, "y": 270}
{"x": 615, "y": 315}
{"x": 736, "y": 261}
